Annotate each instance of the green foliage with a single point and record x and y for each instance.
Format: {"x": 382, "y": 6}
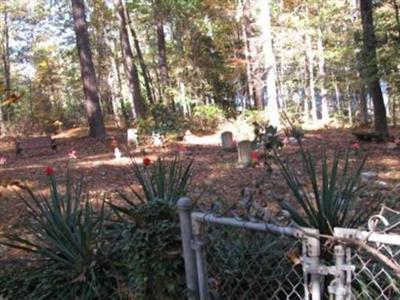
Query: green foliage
{"x": 162, "y": 119}
{"x": 66, "y": 236}
{"x": 149, "y": 247}
{"x": 149, "y": 250}
{"x": 207, "y": 116}
{"x": 332, "y": 200}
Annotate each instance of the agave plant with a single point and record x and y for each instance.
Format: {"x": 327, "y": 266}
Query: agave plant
{"x": 161, "y": 180}
{"x": 149, "y": 246}
{"x": 334, "y": 192}
{"x": 65, "y": 235}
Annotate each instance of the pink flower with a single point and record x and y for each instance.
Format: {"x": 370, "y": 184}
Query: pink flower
{"x": 397, "y": 141}
{"x": 72, "y": 154}
{"x": 3, "y": 160}
{"x": 355, "y": 146}
{"x": 286, "y": 140}
{"x": 146, "y": 161}
{"x": 49, "y": 171}
{"x": 254, "y": 156}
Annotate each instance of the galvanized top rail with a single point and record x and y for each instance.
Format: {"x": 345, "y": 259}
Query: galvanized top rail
{"x": 210, "y": 218}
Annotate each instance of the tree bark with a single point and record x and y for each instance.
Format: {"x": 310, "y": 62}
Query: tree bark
{"x": 130, "y": 68}
{"x": 162, "y": 52}
{"x": 249, "y": 74}
{"x": 310, "y": 71}
{"x": 7, "y": 69}
{"x": 143, "y": 67}
{"x": 370, "y": 67}
{"x": 361, "y": 91}
{"x": 322, "y": 77}
{"x": 92, "y": 103}
{"x": 269, "y": 62}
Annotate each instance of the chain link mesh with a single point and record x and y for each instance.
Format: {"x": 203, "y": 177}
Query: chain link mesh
{"x": 244, "y": 264}
{"x": 371, "y": 279}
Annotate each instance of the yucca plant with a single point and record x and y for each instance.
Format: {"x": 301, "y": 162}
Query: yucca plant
{"x": 65, "y": 235}
{"x": 334, "y": 195}
{"x": 149, "y": 246}
{"x": 162, "y": 180}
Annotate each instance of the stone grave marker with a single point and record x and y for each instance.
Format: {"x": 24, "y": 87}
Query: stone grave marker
{"x": 244, "y": 153}
{"x": 227, "y": 141}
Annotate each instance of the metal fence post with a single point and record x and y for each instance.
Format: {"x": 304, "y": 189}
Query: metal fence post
{"x": 340, "y": 287}
{"x": 313, "y": 253}
{"x": 185, "y": 220}
{"x": 198, "y": 246}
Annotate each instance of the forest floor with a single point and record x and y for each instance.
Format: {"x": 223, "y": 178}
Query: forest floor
{"x": 216, "y": 176}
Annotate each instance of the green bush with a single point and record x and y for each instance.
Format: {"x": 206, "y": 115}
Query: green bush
{"x": 162, "y": 119}
{"x": 66, "y": 237}
{"x": 150, "y": 248}
{"x": 207, "y": 116}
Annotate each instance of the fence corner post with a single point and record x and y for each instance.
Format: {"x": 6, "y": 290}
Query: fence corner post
{"x": 184, "y": 206}
{"x": 313, "y": 253}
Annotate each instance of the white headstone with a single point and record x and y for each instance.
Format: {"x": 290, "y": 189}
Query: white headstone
{"x": 132, "y": 136}
{"x": 157, "y": 139}
{"x": 117, "y": 153}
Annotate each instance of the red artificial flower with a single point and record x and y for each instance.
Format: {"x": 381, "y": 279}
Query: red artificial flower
{"x": 355, "y": 146}
{"x": 49, "y": 171}
{"x": 254, "y": 156}
{"x": 146, "y": 161}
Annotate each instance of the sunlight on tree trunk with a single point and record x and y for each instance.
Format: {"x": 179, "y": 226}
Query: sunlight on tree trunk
{"x": 370, "y": 66}
{"x": 269, "y": 62}
{"x": 130, "y": 67}
{"x": 92, "y": 103}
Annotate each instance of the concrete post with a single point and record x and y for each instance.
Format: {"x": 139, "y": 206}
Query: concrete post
{"x": 185, "y": 220}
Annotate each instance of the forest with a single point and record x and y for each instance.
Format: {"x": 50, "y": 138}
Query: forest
{"x": 323, "y": 62}
{"x": 199, "y": 149}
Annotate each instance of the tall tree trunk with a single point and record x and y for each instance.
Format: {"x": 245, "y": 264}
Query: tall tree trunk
{"x": 143, "y": 67}
{"x": 7, "y": 69}
{"x": 322, "y": 77}
{"x": 370, "y": 66}
{"x": 130, "y": 68}
{"x": 245, "y": 25}
{"x": 269, "y": 62}
{"x": 162, "y": 52}
{"x": 361, "y": 91}
{"x": 92, "y": 103}
{"x": 310, "y": 71}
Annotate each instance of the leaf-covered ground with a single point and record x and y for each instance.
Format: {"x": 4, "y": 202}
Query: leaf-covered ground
{"x": 216, "y": 176}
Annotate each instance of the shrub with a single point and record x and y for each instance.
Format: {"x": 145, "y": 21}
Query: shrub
{"x": 150, "y": 247}
{"x": 207, "y": 116}
{"x": 162, "y": 119}
{"x": 72, "y": 258}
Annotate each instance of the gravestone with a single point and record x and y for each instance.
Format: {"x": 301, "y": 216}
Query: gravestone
{"x": 158, "y": 140}
{"x": 132, "y": 136}
{"x": 227, "y": 141}
{"x": 244, "y": 153}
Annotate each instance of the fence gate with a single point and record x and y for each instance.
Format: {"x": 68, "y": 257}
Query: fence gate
{"x": 227, "y": 258}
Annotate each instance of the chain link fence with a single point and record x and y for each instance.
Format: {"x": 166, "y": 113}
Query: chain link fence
{"x": 230, "y": 258}
{"x": 255, "y": 265}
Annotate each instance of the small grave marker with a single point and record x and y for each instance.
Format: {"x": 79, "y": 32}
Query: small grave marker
{"x": 132, "y": 136}
{"x": 227, "y": 141}
{"x": 244, "y": 153}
